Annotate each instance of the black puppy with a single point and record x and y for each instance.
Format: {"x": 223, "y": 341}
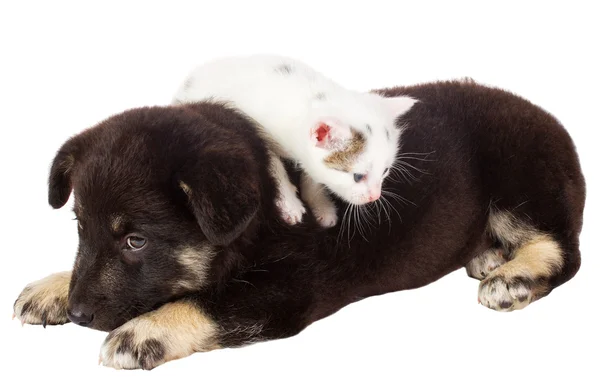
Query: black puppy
{"x": 182, "y": 250}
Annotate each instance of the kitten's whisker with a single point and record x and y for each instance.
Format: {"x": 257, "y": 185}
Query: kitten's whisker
{"x": 412, "y": 158}
{"x": 343, "y": 225}
{"x": 414, "y": 153}
{"x": 394, "y": 208}
{"x": 397, "y": 197}
{"x": 404, "y": 173}
{"x": 412, "y": 166}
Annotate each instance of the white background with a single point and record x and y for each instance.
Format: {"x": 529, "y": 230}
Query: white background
{"x": 65, "y": 67}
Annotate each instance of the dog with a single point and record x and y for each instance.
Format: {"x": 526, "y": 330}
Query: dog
{"x": 182, "y": 250}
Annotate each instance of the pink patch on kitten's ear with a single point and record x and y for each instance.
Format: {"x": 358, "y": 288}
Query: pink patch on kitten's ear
{"x": 399, "y": 105}
{"x": 321, "y": 134}
{"x": 330, "y": 134}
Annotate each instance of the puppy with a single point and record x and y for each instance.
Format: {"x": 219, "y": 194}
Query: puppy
{"x": 182, "y": 249}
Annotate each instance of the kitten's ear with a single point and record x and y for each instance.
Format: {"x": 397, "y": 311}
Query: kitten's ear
{"x": 330, "y": 133}
{"x": 398, "y": 105}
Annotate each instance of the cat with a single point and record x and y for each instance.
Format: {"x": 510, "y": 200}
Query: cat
{"x": 342, "y": 139}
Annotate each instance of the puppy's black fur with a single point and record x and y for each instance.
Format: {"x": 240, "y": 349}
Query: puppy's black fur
{"x": 196, "y": 177}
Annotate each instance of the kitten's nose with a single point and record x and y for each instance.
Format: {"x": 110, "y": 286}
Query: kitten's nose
{"x": 80, "y": 314}
{"x": 374, "y": 194}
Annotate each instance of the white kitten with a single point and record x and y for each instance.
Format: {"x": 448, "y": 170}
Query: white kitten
{"x": 343, "y": 139}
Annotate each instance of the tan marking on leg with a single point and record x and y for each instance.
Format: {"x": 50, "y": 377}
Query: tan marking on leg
{"x": 520, "y": 281}
{"x": 173, "y": 331}
{"x": 44, "y": 301}
{"x": 539, "y": 258}
{"x": 507, "y": 229}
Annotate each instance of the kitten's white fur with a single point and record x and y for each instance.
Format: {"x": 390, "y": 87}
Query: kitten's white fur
{"x": 289, "y": 100}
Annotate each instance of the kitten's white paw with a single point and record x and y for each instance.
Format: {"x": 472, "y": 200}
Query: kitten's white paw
{"x": 326, "y": 216}
{"x": 290, "y": 208}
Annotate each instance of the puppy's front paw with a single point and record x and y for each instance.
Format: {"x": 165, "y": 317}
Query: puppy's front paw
{"x": 173, "y": 331}
{"x": 132, "y": 347}
{"x": 44, "y": 301}
{"x": 290, "y": 208}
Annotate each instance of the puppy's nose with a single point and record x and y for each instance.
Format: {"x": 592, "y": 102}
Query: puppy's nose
{"x": 80, "y": 314}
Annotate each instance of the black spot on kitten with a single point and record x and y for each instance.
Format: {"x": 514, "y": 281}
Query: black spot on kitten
{"x": 284, "y": 69}
{"x": 369, "y": 129}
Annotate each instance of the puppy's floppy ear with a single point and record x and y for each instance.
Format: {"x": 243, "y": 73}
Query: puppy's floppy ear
{"x": 224, "y": 195}
{"x": 59, "y": 183}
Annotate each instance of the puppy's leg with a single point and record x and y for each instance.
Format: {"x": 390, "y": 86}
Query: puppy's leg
{"x": 290, "y": 206}
{"x": 173, "y": 331}
{"x": 44, "y": 301}
{"x": 536, "y": 260}
{"x": 484, "y": 264}
{"x": 319, "y": 202}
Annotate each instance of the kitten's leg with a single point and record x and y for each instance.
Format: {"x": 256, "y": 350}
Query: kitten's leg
{"x": 484, "y": 264}
{"x": 44, "y": 301}
{"x": 290, "y": 206}
{"x": 318, "y": 200}
{"x": 171, "y": 332}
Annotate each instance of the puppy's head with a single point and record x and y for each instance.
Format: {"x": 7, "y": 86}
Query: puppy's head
{"x": 158, "y": 193}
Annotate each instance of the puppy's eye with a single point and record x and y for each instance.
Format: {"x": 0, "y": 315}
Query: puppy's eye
{"x": 358, "y": 177}
{"x": 135, "y": 243}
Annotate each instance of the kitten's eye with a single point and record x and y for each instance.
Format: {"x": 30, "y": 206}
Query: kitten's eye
{"x": 358, "y": 177}
{"x": 135, "y": 243}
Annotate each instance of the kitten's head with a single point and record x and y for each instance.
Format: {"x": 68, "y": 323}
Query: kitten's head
{"x": 355, "y": 143}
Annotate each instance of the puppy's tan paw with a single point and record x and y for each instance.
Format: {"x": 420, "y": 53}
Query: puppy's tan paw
{"x": 44, "y": 301}
{"x": 501, "y": 294}
{"x": 124, "y": 348}
{"x": 171, "y": 332}
{"x": 481, "y": 266}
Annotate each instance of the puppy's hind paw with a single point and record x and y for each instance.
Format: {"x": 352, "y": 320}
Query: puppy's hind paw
{"x": 481, "y": 266}
{"x": 500, "y": 294}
